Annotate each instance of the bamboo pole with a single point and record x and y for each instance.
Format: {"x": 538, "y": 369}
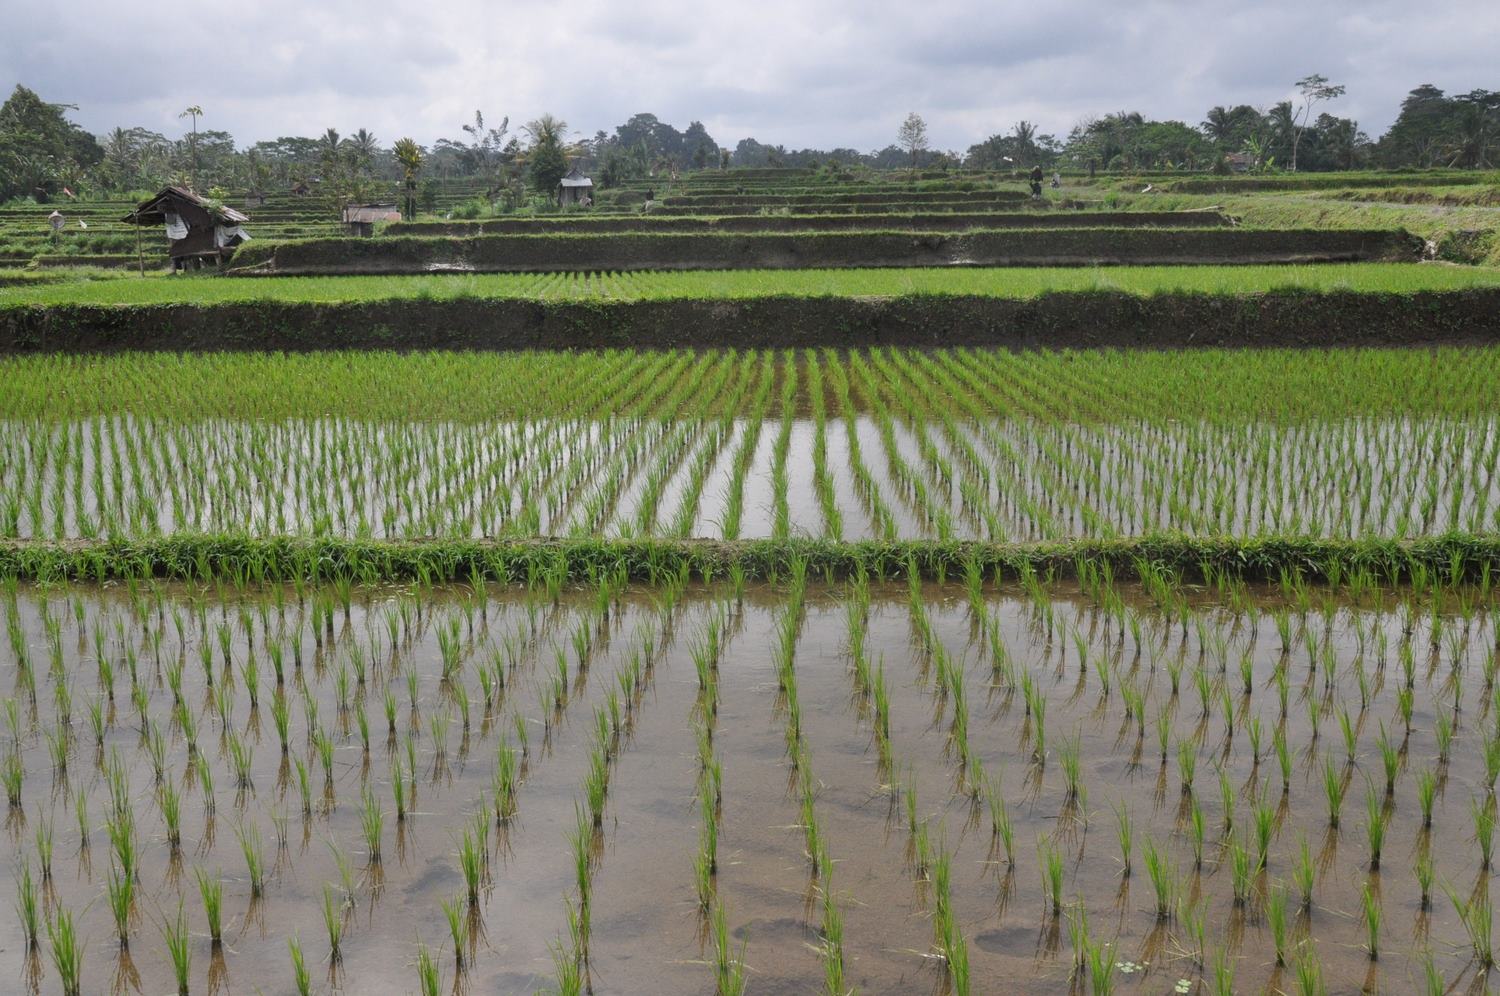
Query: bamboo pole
{"x": 139, "y": 259}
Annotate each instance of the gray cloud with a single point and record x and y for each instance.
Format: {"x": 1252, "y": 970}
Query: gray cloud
{"x": 839, "y": 72}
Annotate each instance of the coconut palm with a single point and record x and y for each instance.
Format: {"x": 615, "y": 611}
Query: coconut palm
{"x": 409, "y": 155}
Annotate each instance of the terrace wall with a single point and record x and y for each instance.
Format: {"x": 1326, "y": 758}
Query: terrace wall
{"x": 688, "y": 251}
{"x": 812, "y": 223}
{"x": 1066, "y": 320}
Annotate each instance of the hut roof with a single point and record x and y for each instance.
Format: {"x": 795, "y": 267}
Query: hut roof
{"x": 355, "y": 213}
{"x": 153, "y": 210}
{"x": 575, "y": 178}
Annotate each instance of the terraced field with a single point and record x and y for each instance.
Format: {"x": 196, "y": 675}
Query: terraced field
{"x": 927, "y": 655}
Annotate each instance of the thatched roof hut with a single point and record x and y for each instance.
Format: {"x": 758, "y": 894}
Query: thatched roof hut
{"x": 197, "y": 228}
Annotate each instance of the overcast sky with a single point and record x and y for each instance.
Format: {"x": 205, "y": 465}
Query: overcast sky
{"x": 797, "y": 72}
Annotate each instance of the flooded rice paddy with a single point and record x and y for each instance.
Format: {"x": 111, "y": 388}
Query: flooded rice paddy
{"x": 897, "y": 787}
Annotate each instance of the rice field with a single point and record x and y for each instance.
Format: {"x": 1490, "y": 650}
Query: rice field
{"x": 885, "y": 786}
{"x": 1015, "y": 283}
{"x": 879, "y": 444}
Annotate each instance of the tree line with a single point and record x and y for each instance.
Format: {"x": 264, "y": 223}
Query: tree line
{"x": 42, "y": 153}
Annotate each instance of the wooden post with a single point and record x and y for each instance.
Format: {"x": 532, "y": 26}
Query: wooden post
{"x": 139, "y": 259}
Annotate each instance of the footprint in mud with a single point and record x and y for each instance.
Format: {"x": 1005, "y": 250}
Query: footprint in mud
{"x": 1007, "y": 940}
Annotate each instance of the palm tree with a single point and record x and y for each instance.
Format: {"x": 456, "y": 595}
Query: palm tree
{"x": 546, "y": 159}
{"x": 1024, "y": 133}
{"x": 409, "y": 155}
{"x": 1218, "y": 125}
{"x": 329, "y": 145}
{"x": 364, "y": 146}
{"x": 195, "y": 112}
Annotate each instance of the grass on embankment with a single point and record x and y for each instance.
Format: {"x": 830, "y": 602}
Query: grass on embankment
{"x": 1444, "y": 559}
{"x": 1009, "y": 283}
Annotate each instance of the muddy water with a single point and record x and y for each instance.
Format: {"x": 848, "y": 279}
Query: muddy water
{"x": 647, "y": 929}
{"x": 1003, "y": 479}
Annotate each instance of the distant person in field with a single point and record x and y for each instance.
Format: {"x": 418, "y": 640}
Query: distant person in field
{"x": 55, "y": 222}
{"x": 1091, "y": 169}
{"x": 1036, "y": 181}
{"x": 1056, "y": 179}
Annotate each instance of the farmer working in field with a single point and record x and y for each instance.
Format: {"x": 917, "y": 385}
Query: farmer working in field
{"x": 1036, "y": 181}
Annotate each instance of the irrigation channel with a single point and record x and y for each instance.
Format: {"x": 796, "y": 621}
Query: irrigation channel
{"x": 896, "y": 786}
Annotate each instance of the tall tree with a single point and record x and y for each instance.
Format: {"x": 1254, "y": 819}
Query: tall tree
{"x": 195, "y": 112}
{"x": 1315, "y": 89}
{"x": 912, "y": 136}
{"x": 546, "y": 159}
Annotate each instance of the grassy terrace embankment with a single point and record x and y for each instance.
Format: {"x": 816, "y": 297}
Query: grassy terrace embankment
{"x": 694, "y": 251}
{"x": 1357, "y": 304}
{"x": 914, "y": 221}
{"x": 1444, "y": 559}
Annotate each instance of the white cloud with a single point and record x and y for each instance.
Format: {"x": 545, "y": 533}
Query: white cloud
{"x": 835, "y": 73}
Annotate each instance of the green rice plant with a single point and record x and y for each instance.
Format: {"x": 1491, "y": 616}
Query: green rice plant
{"x": 333, "y": 922}
{"x": 506, "y": 783}
{"x": 44, "y": 843}
{"x": 372, "y": 822}
{"x": 1422, "y": 869}
{"x": 1372, "y": 915}
{"x": 1304, "y": 874}
{"x": 1482, "y": 813}
{"x": 1263, "y": 824}
{"x": 1283, "y": 759}
{"x": 300, "y": 977}
{"x": 211, "y": 889}
{"x": 1333, "y": 790}
{"x": 1068, "y": 755}
{"x": 455, "y": 911}
{"x": 1163, "y": 879}
{"x": 1477, "y": 915}
{"x": 12, "y": 773}
{"x": 255, "y": 865}
{"x": 179, "y": 949}
{"x": 429, "y": 976}
{"x": 1000, "y": 822}
{"x": 1442, "y": 729}
{"x": 1276, "y": 919}
{"x": 66, "y": 950}
{"x": 729, "y": 964}
{"x": 1051, "y": 861}
{"x": 1196, "y": 831}
{"x": 1223, "y": 977}
{"x": 119, "y": 892}
{"x": 1375, "y": 824}
{"x": 1351, "y": 736}
{"x": 281, "y": 717}
{"x": 28, "y": 909}
{"x": 304, "y": 786}
{"x": 170, "y": 801}
{"x": 469, "y": 863}
{"x": 1307, "y": 973}
{"x": 1125, "y": 834}
{"x": 1187, "y": 764}
{"x": 1242, "y": 868}
{"x": 205, "y": 775}
{"x": 1433, "y": 983}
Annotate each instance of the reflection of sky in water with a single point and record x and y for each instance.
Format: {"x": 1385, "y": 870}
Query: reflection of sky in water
{"x": 999, "y": 479}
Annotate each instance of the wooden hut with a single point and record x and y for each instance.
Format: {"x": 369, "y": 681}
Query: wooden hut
{"x": 360, "y": 219}
{"x": 197, "y": 229}
{"x": 575, "y": 188}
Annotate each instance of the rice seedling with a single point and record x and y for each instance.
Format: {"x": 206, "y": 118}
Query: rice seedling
{"x": 429, "y": 976}
{"x": 469, "y": 863}
{"x": 1125, "y": 834}
{"x": 179, "y": 949}
{"x": 66, "y": 950}
{"x": 119, "y": 893}
{"x": 1482, "y": 813}
{"x": 1333, "y": 791}
{"x": 211, "y": 889}
{"x": 1276, "y": 919}
{"x": 372, "y": 821}
{"x": 729, "y": 964}
{"x": 28, "y": 908}
{"x": 300, "y": 977}
{"x": 333, "y": 922}
{"x": 1304, "y": 874}
{"x": 455, "y": 912}
{"x": 1163, "y": 879}
{"x": 1051, "y": 861}
{"x": 1422, "y": 869}
{"x": 1477, "y": 916}
{"x": 253, "y": 852}
{"x": 1372, "y": 913}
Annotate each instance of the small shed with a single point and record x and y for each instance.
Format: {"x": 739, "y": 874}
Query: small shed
{"x": 575, "y": 188}
{"x": 360, "y": 219}
{"x": 198, "y": 229}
